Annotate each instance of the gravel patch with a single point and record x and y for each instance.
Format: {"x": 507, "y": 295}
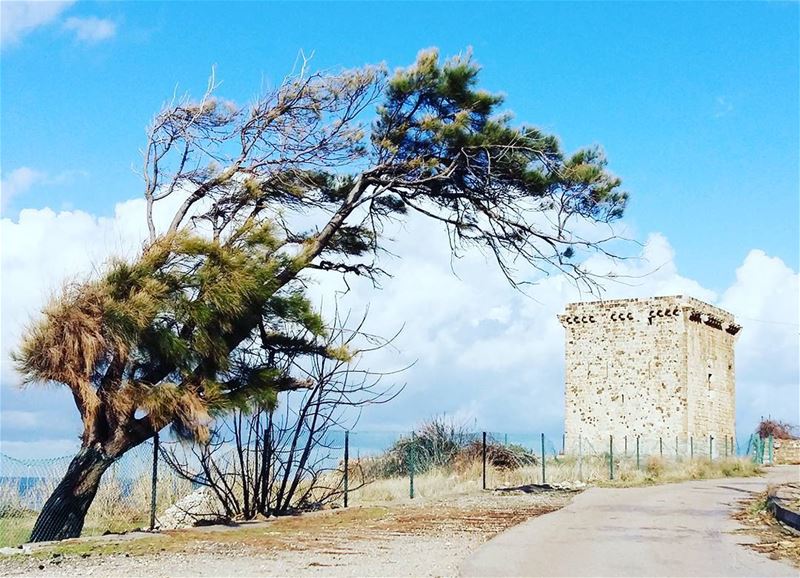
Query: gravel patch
{"x": 419, "y": 538}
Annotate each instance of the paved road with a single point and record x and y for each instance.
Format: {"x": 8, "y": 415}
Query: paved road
{"x": 669, "y": 530}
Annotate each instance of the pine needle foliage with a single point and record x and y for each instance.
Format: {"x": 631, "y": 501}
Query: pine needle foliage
{"x": 449, "y": 154}
{"x": 172, "y": 308}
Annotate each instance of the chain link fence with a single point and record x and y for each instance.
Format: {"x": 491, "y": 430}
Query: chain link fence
{"x": 123, "y": 501}
{"x": 376, "y": 467}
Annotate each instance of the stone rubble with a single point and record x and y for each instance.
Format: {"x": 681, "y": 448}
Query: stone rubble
{"x": 201, "y": 507}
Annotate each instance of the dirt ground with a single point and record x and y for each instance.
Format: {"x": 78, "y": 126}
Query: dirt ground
{"x": 419, "y": 538}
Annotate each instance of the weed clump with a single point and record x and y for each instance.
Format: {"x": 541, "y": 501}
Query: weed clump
{"x": 655, "y": 467}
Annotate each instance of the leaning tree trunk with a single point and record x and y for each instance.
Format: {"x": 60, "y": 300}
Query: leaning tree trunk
{"x": 65, "y": 510}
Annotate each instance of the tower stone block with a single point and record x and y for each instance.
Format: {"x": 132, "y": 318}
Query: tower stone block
{"x": 660, "y": 367}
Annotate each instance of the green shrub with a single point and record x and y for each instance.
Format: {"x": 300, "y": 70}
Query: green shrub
{"x": 504, "y": 457}
{"x": 441, "y": 443}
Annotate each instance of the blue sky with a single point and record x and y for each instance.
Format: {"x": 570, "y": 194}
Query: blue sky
{"x": 695, "y": 104}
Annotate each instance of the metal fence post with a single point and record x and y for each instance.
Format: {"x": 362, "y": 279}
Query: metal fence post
{"x": 710, "y": 447}
{"x": 266, "y": 461}
{"x": 771, "y": 452}
{"x": 726, "y": 447}
{"x": 691, "y": 447}
{"x": 677, "y": 454}
{"x": 346, "y": 464}
{"x": 270, "y": 473}
{"x": 625, "y": 443}
{"x": 611, "y": 456}
{"x": 483, "y": 453}
{"x": 564, "y": 444}
{"x": 154, "y": 484}
{"x": 411, "y": 467}
{"x": 543, "y": 467}
{"x": 638, "y": 464}
{"x": 661, "y": 447}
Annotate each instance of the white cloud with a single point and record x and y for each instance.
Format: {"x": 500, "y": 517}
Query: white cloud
{"x": 722, "y": 107}
{"x": 20, "y": 419}
{"x": 92, "y": 29}
{"x": 17, "y": 182}
{"x": 486, "y": 352}
{"x": 18, "y": 19}
{"x": 41, "y": 449}
{"x": 765, "y": 298}
{"x": 23, "y": 179}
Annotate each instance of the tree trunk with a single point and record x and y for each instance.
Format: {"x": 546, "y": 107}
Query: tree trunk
{"x": 65, "y": 510}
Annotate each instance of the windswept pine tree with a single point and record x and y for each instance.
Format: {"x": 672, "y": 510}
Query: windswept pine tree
{"x": 199, "y": 322}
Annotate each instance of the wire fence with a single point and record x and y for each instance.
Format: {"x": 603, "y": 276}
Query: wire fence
{"x": 122, "y": 503}
{"x": 375, "y": 466}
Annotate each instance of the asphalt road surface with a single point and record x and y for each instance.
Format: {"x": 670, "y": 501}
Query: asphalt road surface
{"x": 681, "y": 529}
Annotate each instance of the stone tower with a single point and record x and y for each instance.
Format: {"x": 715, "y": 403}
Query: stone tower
{"x": 661, "y": 367}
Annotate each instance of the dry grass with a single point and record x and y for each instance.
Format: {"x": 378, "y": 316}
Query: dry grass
{"x": 657, "y": 471}
{"x": 774, "y": 540}
{"x": 441, "y": 482}
{"x": 121, "y": 504}
{"x": 448, "y": 461}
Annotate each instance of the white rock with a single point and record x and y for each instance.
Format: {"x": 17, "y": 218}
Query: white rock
{"x": 200, "y": 507}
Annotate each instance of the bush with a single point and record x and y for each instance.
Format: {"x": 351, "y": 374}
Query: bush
{"x": 443, "y": 444}
{"x": 500, "y": 456}
{"x": 777, "y": 429}
{"x": 436, "y": 443}
{"x": 386, "y": 465}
